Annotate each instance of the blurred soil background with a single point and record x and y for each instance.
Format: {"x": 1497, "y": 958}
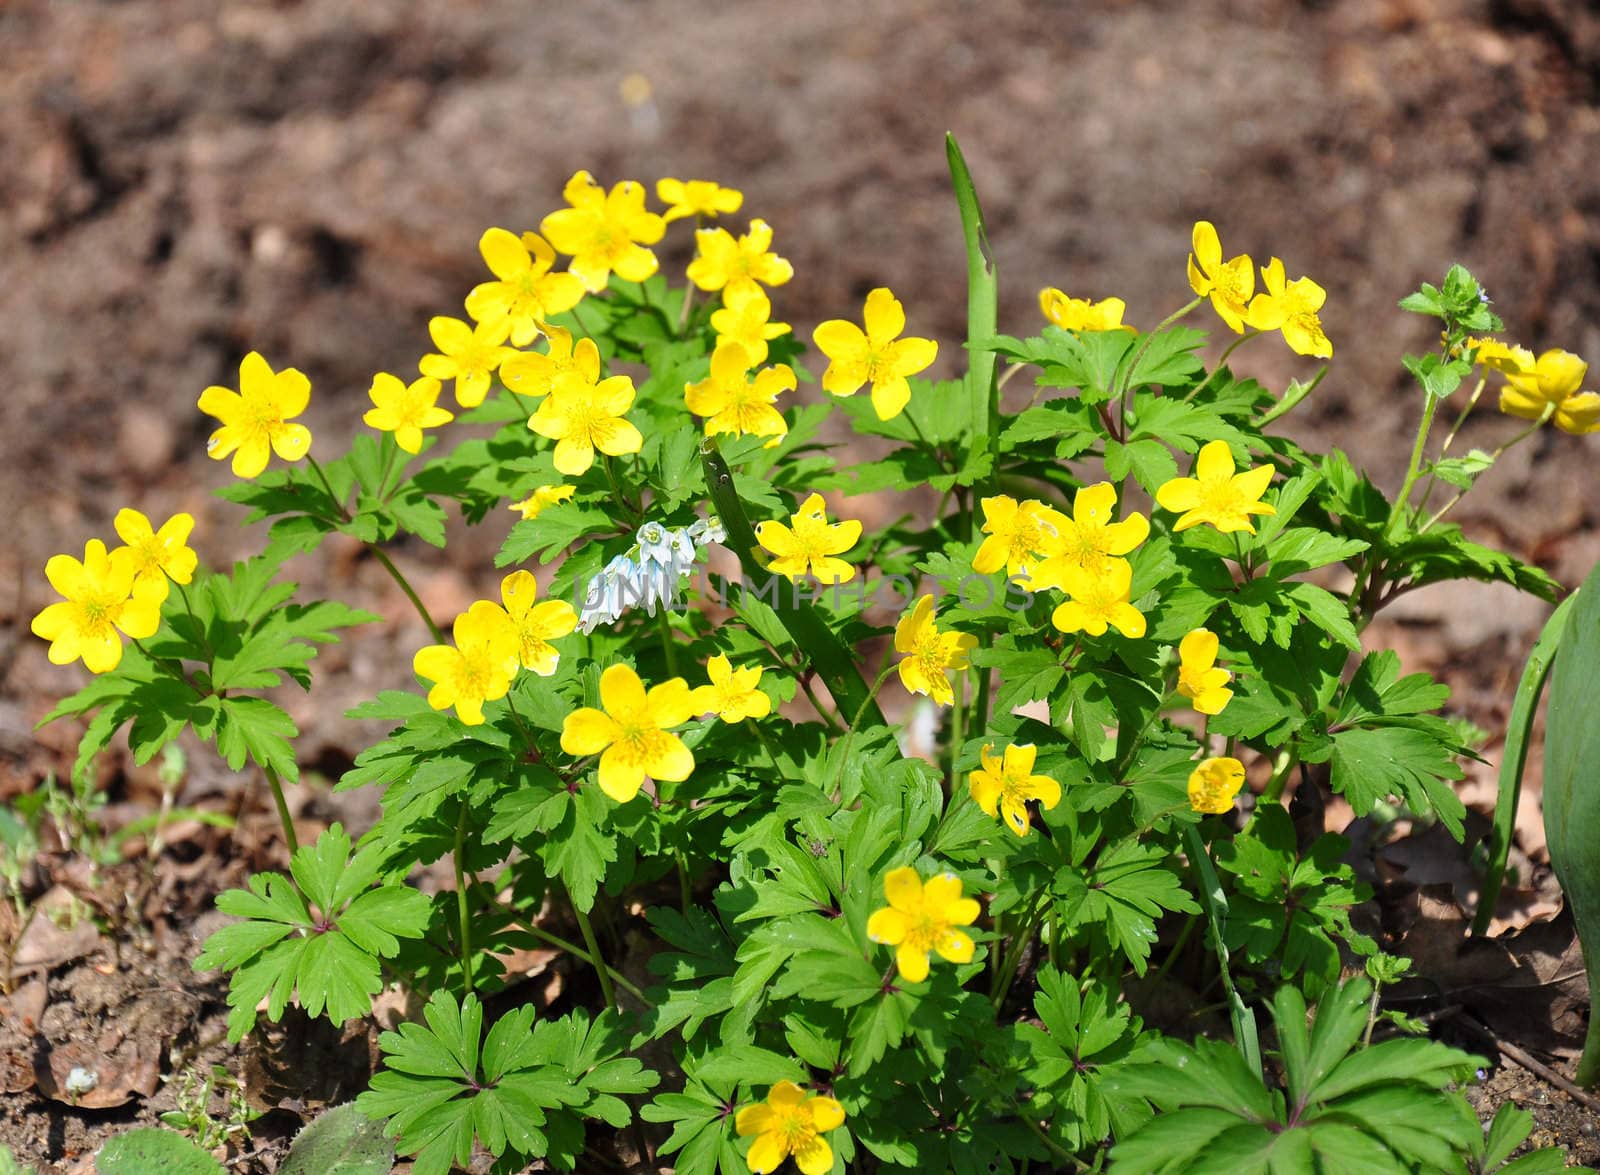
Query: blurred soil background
{"x": 182, "y": 181}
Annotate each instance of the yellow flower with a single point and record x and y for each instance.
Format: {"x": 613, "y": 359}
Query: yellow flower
{"x": 633, "y": 731}
{"x": 929, "y": 653}
{"x": 732, "y": 694}
{"x": 1089, "y": 540}
{"x": 1216, "y": 494}
{"x": 696, "y": 198}
{"x": 405, "y": 411}
{"x": 789, "y": 1123}
{"x": 922, "y": 917}
{"x": 876, "y": 355}
{"x": 1099, "y": 599}
{"x": 1006, "y": 783}
{"x": 470, "y": 355}
{"x": 1018, "y": 533}
{"x": 1199, "y": 679}
{"x": 1502, "y": 357}
{"x": 542, "y": 497}
{"x": 743, "y": 318}
{"x": 1080, "y": 314}
{"x": 721, "y": 261}
{"x": 733, "y": 402}
{"x": 809, "y": 547}
{"x": 527, "y": 292}
{"x": 255, "y": 418}
{"x": 535, "y": 624}
{"x": 1229, "y": 284}
{"x": 479, "y": 669}
{"x": 1214, "y": 783}
{"x": 1553, "y": 382}
{"x": 533, "y": 373}
{"x": 157, "y": 554}
{"x": 582, "y": 416}
{"x": 100, "y": 598}
{"x": 1291, "y": 308}
{"x": 605, "y": 232}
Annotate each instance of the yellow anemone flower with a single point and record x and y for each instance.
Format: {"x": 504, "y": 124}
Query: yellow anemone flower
{"x": 744, "y": 318}
{"x": 100, "y": 598}
{"x": 527, "y": 292}
{"x": 533, "y": 373}
{"x": 467, "y": 354}
{"x": 542, "y": 497}
{"x": 1216, "y": 494}
{"x": 732, "y": 695}
{"x": 696, "y": 198}
{"x": 581, "y": 416}
{"x": 1214, "y": 783}
{"x": 1005, "y": 783}
{"x": 1100, "y": 598}
{"x": 157, "y": 554}
{"x": 789, "y": 1123}
{"x": 1506, "y": 358}
{"x": 731, "y": 401}
{"x": 1553, "y": 380}
{"x": 605, "y": 231}
{"x": 723, "y": 261}
{"x": 1228, "y": 284}
{"x": 808, "y": 545}
{"x": 930, "y": 655}
{"x": 1199, "y": 679}
{"x": 536, "y": 624}
{"x": 1018, "y": 534}
{"x": 1291, "y": 308}
{"x": 479, "y": 669}
{"x": 923, "y": 917}
{"x": 632, "y": 733}
{"x": 255, "y": 419}
{"x": 876, "y": 355}
{"x": 1089, "y": 540}
{"x": 1080, "y": 314}
{"x": 405, "y": 410}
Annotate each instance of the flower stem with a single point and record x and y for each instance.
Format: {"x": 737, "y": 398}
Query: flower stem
{"x": 596, "y": 959}
{"x": 1122, "y": 387}
{"x": 1013, "y": 956}
{"x": 462, "y": 904}
{"x": 344, "y": 515}
{"x": 416, "y": 601}
{"x": 283, "y": 809}
{"x": 683, "y": 314}
{"x": 1397, "y": 511}
{"x": 578, "y": 952}
{"x": 668, "y": 645}
{"x": 1221, "y": 362}
{"x": 1493, "y": 457}
{"x": 844, "y": 750}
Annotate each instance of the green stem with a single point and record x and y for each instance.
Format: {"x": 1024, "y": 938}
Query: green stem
{"x": 850, "y": 733}
{"x": 416, "y": 600}
{"x": 578, "y": 952}
{"x": 1493, "y": 457}
{"x": 462, "y": 905}
{"x": 596, "y": 959}
{"x": 283, "y": 809}
{"x": 1221, "y": 363}
{"x": 668, "y": 645}
{"x": 1013, "y": 954}
{"x": 1125, "y": 374}
{"x": 578, "y": 318}
{"x": 622, "y": 501}
{"x": 957, "y": 719}
{"x": 344, "y": 515}
{"x": 1413, "y": 468}
{"x": 389, "y": 450}
{"x": 1060, "y": 1152}
{"x": 980, "y": 707}
{"x": 768, "y": 746}
{"x": 1449, "y": 439}
{"x": 1273, "y": 793}
{"x": 683, "y": 314}
{"x": 1215, "y": 903}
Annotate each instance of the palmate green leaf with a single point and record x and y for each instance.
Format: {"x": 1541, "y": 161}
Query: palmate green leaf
{"x": 286, "y": 947}
{"x": 1168, "y": 358}
{"x": 437, "y": 1098}
{"x": 282, "y": 642}
{"x": 1444, "y": 553}
{"x": 255, "y": 729}
{"x": 1130, "y": 886}
{"x": 1070, "y": 424}
{"x": 1150, "y": 462}
{"x": 556, "y": 528}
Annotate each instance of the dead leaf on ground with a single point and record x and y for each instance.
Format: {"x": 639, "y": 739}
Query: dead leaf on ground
{"x": 59, "y": 932}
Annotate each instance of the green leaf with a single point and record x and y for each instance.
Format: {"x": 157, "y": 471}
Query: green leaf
{"x": 147, "y": 1149}
{"x": 255, "y": 729}
{"x": 341, "y": 1141}
{"x": 546, "y": 536}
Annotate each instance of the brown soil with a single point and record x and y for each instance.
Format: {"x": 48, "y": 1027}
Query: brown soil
{"x": 186, "y": 181}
